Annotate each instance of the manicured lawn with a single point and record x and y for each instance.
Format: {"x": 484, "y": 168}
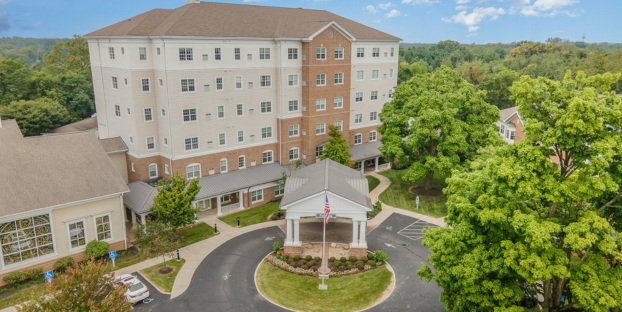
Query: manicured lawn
{"x": 352, "y": 293}
{"x": 398, "y": 195}
{"x": 23, "y": 296}
{"x": 251, "y": 216}
{"x": 195, "y": 233}
{"x": 373, "y": 183}
{"x": 164, "y": 282}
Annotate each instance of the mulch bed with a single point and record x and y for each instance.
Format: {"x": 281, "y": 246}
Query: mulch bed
{"x": 165, "y": 270}
{"x": 421, "y": 191}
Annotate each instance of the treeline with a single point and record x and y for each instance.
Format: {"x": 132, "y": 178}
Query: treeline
{"x": 31, "y": 51}
{"x": 494, "y": 67}
{"x": 52, "y": 91}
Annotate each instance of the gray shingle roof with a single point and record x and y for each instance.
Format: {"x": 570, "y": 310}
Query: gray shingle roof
{"x": 46, "y": 171}
{"x": 113, "y": 145}
{"x": 78, "y": 126}
{"x": 327, "y": 175}
{"x": 505, "y": 113}
{"x": 212, "y": 19}
{"x": 140, "y": 197}
{"x": 232, "y": 181}
{"x": 365, "y": 151}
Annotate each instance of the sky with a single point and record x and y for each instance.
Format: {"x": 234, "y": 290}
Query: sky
{"x": 420, "y": 21}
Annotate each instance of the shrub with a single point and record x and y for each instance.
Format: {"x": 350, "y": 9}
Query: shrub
{"x": 364, "y": 259}
{"x": 314, "y": 268}
{"x": 359, "y": 262}
{"x": 360, "y": 266}
{"x": 380, "y": 256}
{"x": 308, "y": 258}
{"x": 297, "y": 257}
{"x": 343, "y": 259}
{"x": 290, "y": 261}
{"x": 352, "y": 258}
{"x": 336, "y": 263}
{"x": 276, "y": 247}
{"x": 311, "y": 263}
{"x": 348, "y": 262}
{"x": 13, "y": 279}
{"x": 304, "y": 267}
{"x": 378, "y": 206}
{"x": 350, "y": 267}
{"x": 372, "y": 214}
{"x": 342, "y": 267}
{"x": 63, "y": 263}
{"x": 274, "y": 217}
{"x": 33, "y": 274}
{"x": 96, "y": 249}
{"x": 372, "y": 263}
{"x": 317, "y": 259}
{"x": 303, "y": 262}
{"x": 332, "y": 259}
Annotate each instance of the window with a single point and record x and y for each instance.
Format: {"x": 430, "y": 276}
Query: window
{"x": 240, "y": 136}
{"x": 257, "y": 196}
{"x": 190, "y": 114}
{"x": 320, "y": 104}
{"x": 219, "y": 83}
{"x": 294, "y": 130}
{"x": 320, "y": 79}
{"x": 166, "y": 168}
{"x": 122, "y": 50}
{"x": 266, "y": 107}
{"x": 266, "y": 157}
{"x": 293, "y": 105}
{"x": 265, "y": 81}
{"x": 241, "y": 162}
{"x": 279, "y": 189}
{"x": 319, "y": 150}
{"x": 26, "y": 239}
{"x": 320, "y": 53}
{"x": 339, "y": 78}
{"x": 236, "y": 52}
{"x": 217, "y": 55}
{"x": 373, "y": 136}
{"x": 191, "y": 144}
{"x": 77, "y": 234}
{"x": 358, "y": 138}
{"x": 391, "y": 73}
{"x": 239, "y": 110}
{"x": 148, "y": 114}
{"x": 392, "y": 52}
{"x": 114, "y": 83}
{"x": 117, "y": 110}
{"x": 320, "y": 128}
{"x": 502, "y": 131}
{"x": 373, "y": 116}
{"x": 293, "y": 153}
{"x": 187, "y": 85}
{"x": 360, "y": 75}
{"x": 131, "y": 140}
{"x": 221, "y": 112}
{"x": 143, "y": 53}
{"x": 507, "y": 134}
{"x": 292, "y": 80}
{"x": 238, "y": 82}
{"x": 358, "y": 118}
{"x": 338, "y": 124}
{"x": 185, "y": 54}
{"x": 338, "y": 102}
{"x": 222, "y": 139}
{"x": 360, "y": 52}
{"x": 375, "y": 52}
{"x": 163, "y": 112}
{"x": 150, "y": 143}
{"x": 161, "y": 82}
{"x": 111, "y": 52}
{"x": 390, "y": 93}
{"x": 223, "y": 165}
{"x": 193, "y": 171}
{"x": 133, "y": 168}
{"x": 374, "y": 74}
{"x": 358, "y": 97}
{"x": 153, "y": 170}
{"x": 339, "y": 53}
{"x": 165, "y": 140}
{"x": 512, "y": 135}
{"x": 102, "y": 227}
{"x": 292, "y": 53}
{"x": 266, "y": 132}
{"x": 145, "y": 84}
{"x": 264, "y": 53}
{"x": 374, "y": 95}
{"x": 125, "y": 81}
{"x": 129, "y": 111}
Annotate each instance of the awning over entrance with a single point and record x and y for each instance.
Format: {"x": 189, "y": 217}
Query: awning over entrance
{"x": 365, "y": 151}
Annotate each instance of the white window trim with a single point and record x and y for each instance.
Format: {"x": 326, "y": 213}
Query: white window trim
{"x": 95, "y": 226}
{"x": 216, "y": 84}
{"x": 192, "y": 165}
{"x": 236, "y": 110}
{"x": 225, "y": 139}
{"x": 235, "y": 83}
{"x": 166, "y": 169}
{"x": 377, "y": 95}
{"x": 165, "y": 141}
{"x": 372, "y": 74}
{"x": 260, "y": 81}
{"x": 128, "y": 111}
{"x": 291, "y": 149}
{"x": 376, "y": 116}
{"x": 355, "y": 119}
{"x": 119, "y": 106}
{"x": 324, "y": 131}
{"x": 320, "y": 85}
{"x": 133, "y": 167}
{"x": 293, "y": 136}
{"x": 270, "y": 112}
{"x": 325, "y": 53}
{"x": 147, "y": 143}
{"x": 321, "y": 109}
{"x": 192, "y": 149}
{"x": 117, "y": 88}
{"x": 271, "y": 151}
{"x": 297, "y": 80}
{"x": 196, "y": 110}
{"x": 86, "y": 240}
{"x": 195, "y": 85}
{"x": 149, "y": 170}
{"x": 357, "y": 76}
{"x": 340, "y": 125}
{"x": 362, "y": 97}
{"x": 342, "y": 79}
{"x": 226, "y": 165}
{"x": 298, "y": 106}
{"x": 244, "y": 162}
{"x": 257, "y": 201}
{"x": 361, "y": 139}
{"x": 343, "y": 53}
{"x": 141, "y": 85}
{"x": 261, "y": 133}
{"x": 376, "y": 137}
{"x": 224, "y": 112}
{"x": 237, "y": 137}
{"x": 340, "y": 107}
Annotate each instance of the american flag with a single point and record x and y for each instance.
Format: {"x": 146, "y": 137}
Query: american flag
{"x": 326, "y": 209}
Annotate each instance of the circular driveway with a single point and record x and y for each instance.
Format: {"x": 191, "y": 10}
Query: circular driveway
{"x": 224, "y": 281}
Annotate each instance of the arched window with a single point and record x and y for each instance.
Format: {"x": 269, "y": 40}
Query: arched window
{"x": 266, "y": 157}
{"x": 223, "y": 165}
{"x": 294, "y": 154}
{"x": 193, "y": 171}
{"x": 373, "y": 136}
{"x": 153, "y": 171}
{"x": 358, "y": 138}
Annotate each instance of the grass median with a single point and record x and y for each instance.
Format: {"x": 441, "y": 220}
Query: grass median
{"x": 163, "y": 281}
{"x": 252, "y": 215}
{"x": 373, "y": 182}
{"x": 398, "y": 195}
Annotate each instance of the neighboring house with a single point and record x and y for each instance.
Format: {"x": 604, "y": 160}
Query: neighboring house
{"x": 511, "y": 125}
{"x": 57, "y": 193}
{"x": 209, "y": 88}
{"x": 88, "y": 124}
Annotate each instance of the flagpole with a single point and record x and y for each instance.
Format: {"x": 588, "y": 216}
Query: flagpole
{"x": 324, "y": 249}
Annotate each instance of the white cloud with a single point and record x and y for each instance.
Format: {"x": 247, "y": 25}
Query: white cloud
{"x": 462, "y": 1}
{"x": 393, "y": 13}
{"x": 386, "y": 6}
{"x": 473, "y": 19}
{"x": 420, "y": 2}
{"x": 545, "y": 8}
{"x": 20, "y": 23}
{"x": 371, "y": 9}
{"x": 461, "y": 7}
{"x": 377, "y": 21}
{"x": 471, "y": 35}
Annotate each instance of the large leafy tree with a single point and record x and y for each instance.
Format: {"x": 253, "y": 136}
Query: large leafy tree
{"x": 36, "y": 116}
{"x": 497, "y": 88}
{"x": 337, "y": 148}
{"x": 84, "y": 287}
{"x": 173, "y": 204}
{"x": 434, "y": 122}
{"x": 71, "y": 56}
{"x": 531, "y": 218}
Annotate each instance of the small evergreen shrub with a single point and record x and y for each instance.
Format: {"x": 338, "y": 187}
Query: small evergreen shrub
{"x": 308, "y": 258}
{"x": 96, "y": 249}
{"x": 360, "y": 262}
{"x": 380, "y": 256}
{"x": 336, "y": 263}
{"x": 33, "y": 274}
{"x": 372, "y": 263}
{"x": 304, "y": 267}
{"x": 13, "y": 279}
{"x": 350, "y": 267}
{"x": 364, "y": 259}
{"x": 317, "y": 259}
{"x": 297, "y": 257}
{"x": 372, "y": 214}
{"x": 311, "y": 263}
{"x": 63, "y": 263}
{"x": 303, "y": 262}
{"x": 360, "y": 266}
{"x": 332, "y": 259}
{"x": 352, "y": 258}
{"x": 314, "y": 268}
{"x": 290, "y": 261}
{"x": 274, "y": 217}
{"x": 343, "y": 259}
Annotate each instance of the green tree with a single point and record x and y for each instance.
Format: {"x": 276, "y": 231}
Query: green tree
{"x": 497, "y": 88}
{"x": 173, "y": 204}
{"x": 71, "y": 56}
{"x": 441, "y": 117}
{"x": 76, "y": 94}
{"x": 157, "y": 238}
{"x": 85, "y": 287}
{"x": 520, "y": 223}
{"x": 337, "y": 148}
{"x": 15, "y": 81}
{"x": 36, "y": 116}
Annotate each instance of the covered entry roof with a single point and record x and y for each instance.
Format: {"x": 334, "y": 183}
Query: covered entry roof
{"x": 330, "y": 176}
{"x": 365, "y": 151}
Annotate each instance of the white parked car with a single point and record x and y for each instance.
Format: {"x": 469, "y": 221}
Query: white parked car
{"x": 136, "y": 290}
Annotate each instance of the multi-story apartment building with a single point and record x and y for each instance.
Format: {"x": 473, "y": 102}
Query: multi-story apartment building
{"x": 208, "y": 87}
